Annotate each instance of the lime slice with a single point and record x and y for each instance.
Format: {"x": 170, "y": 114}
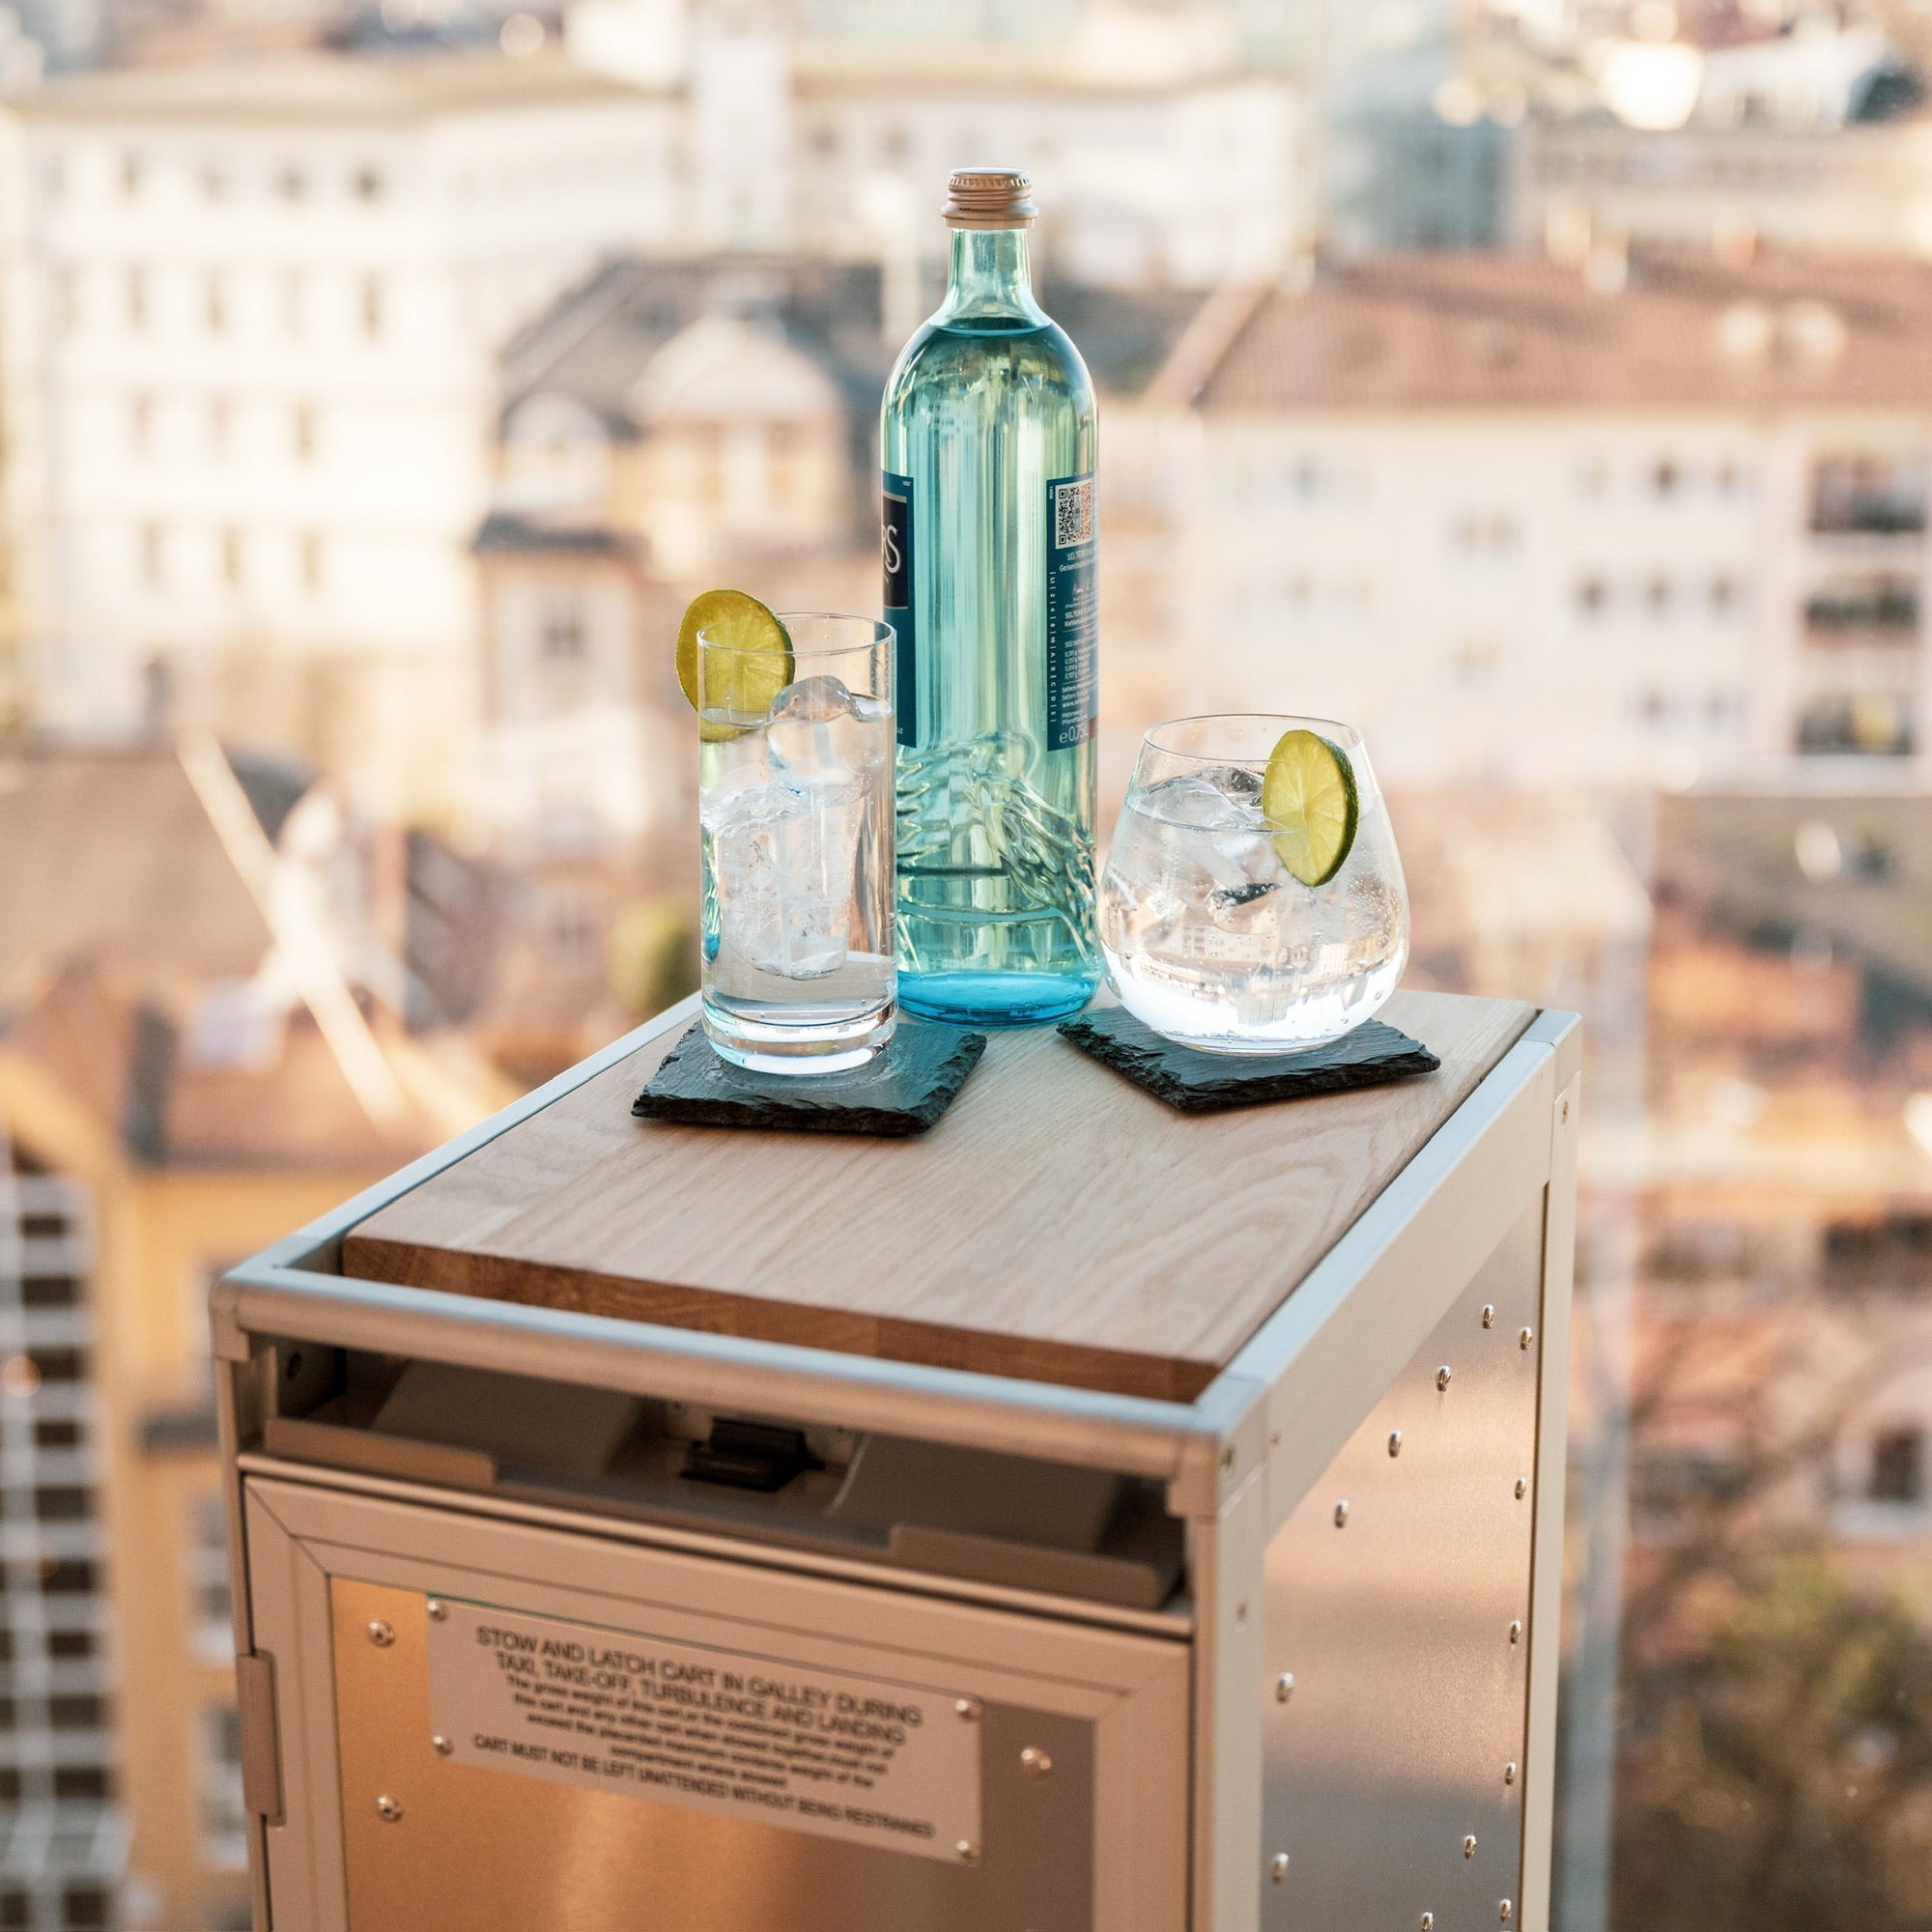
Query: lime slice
{"x": 1308, "y": 795}
{"x": 754, "y": 667}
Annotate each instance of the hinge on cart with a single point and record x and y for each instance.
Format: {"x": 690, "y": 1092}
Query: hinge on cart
{"x": 261, "y": 1747}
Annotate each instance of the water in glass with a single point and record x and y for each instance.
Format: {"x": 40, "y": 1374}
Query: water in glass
{"x": 1208, "y": 936}
{"x": 795, "y": 813}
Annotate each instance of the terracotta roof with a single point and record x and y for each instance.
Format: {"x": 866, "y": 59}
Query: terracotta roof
{"x": 111, "y": 856}
{"x": 125, "y": 1062}
{"x": 1494, "y": 332}
{"x": 1737, "y": 853}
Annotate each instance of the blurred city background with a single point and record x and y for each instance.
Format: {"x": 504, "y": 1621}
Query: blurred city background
{"x": 1544, "y": 386}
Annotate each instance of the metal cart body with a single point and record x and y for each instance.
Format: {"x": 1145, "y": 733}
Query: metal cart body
{"x": 1342, "y": 1710}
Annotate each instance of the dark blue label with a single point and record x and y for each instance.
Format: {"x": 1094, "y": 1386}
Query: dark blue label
{"x": 896, "y": 549}
{"x": 1072, "y": 613}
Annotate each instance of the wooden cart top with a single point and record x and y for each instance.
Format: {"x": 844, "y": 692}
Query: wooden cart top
{"x": 1058, "y": 1224}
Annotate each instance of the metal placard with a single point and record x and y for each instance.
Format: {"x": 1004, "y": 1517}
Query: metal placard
{"x": 879, "y": 1763}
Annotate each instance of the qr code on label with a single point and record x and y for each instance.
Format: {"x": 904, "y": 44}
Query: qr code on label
{"x": 1073, "y": 512}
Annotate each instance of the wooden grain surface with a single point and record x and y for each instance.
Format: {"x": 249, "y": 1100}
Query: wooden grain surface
{"x": 1058, "y": 1224}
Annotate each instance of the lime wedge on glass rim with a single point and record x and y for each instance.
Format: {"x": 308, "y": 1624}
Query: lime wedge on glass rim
{"x": 740, "y": 680}
{"x": 1308, "y": 795}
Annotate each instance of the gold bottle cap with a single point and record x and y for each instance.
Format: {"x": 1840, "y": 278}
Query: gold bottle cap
{"x": 990, "y": 198}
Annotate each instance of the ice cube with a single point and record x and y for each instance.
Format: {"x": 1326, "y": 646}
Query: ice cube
{"x": 1252, "y": 910}
{"x": 1236, "y": 781}
{"x": 1222, "y": 798}
{"x": 817, "y": 736}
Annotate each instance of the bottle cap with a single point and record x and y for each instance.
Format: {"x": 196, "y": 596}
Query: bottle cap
{"x": 990, "y": 198}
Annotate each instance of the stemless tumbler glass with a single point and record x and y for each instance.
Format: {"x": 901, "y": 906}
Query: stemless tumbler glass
{"x": 1208, "y": 937}
{"x": 795, "y": 810}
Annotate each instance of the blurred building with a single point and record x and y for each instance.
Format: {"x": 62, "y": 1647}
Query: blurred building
{"x": 1172, "y": 165}
{"x": 1788, "y": 1161}
{"x": 184, "y": 1074}
{"x": 665, "y": 425}
{"x": 252, "y": 312}
{"x": 1526, "y": 532}
{"x": 1590, "y": 183}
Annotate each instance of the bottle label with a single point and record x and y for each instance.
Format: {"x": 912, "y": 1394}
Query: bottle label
{"x": 896, "y": 546}
{"x": 1072, "y": 613}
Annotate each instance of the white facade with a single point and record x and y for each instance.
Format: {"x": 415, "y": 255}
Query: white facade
{"x": 1841, "y": 190}
{"x": 250, "y": 355}
{"x": 1542, "y": 597}
{"x": 1187, "y": 183}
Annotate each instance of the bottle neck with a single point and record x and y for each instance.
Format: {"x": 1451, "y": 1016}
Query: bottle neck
{"x": 991, "y": 279}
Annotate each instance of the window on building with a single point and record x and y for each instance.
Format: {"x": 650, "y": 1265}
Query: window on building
{"x": 231, "y": 558}
{"x": 69, "y": 1646}
{"x": 308, "y": 560}
{"x": 1657, "y": 596}
{"x": 83, "y": 1780}
{"x": 85, "y": 1908}
{"x": 1724, "y": 594}
{"x": 564, "y": 631}
{"x": 215, "y": 305}
{"x": 140, "y": 424}
{"x": 292, "y": 185}
{"x": 64, "y": 1503}
{"x": 1591, "y": 594}
{"x": 214, "y": 184}
{"x": 372, "y": 308}
{"x": 1898, "y": 1465}
{"x": 1872, "y": 496}
{"x": 896, "y": 144}
{"x": 49, "y": 1290}
{"x": 57, "y": 1434}
{"x": 825, "y": 140}
{"x": 154, "y": 555}
{"x": 1487, "y": 533}
{"x": 77, "y": 1713}
{"x": 1666, "y": 477}
{"x": 304, "y": 426}
{"x": 68, "y": 1577}
{"x": 135, "y": 291}
{"x": 370, "y": 184}
{"x": 130, "y": 175}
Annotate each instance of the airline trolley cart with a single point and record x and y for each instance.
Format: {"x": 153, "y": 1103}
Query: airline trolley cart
{"x": 1083, "y": 1518}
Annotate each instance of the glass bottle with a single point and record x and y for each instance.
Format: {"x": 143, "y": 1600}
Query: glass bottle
{"x": 987, "y": 444}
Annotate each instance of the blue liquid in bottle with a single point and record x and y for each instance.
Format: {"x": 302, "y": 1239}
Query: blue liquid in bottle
{"x": 988, "y": 448}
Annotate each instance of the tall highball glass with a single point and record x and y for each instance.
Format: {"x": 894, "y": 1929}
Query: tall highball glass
{"x": 795, "y": 811}
{"x": 1208, "y": 937}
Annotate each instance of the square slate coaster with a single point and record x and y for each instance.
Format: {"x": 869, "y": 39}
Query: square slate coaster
{"x": 901, "y": 1090}
{"x": 1206, "y": 1083}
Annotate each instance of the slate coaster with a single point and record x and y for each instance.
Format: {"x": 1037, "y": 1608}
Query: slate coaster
{"x": 901, "y": 1090}
{"x": 1207, "y": 1083}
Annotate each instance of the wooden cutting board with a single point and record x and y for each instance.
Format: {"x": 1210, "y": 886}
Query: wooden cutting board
{"x": 1058, "y": 1224}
